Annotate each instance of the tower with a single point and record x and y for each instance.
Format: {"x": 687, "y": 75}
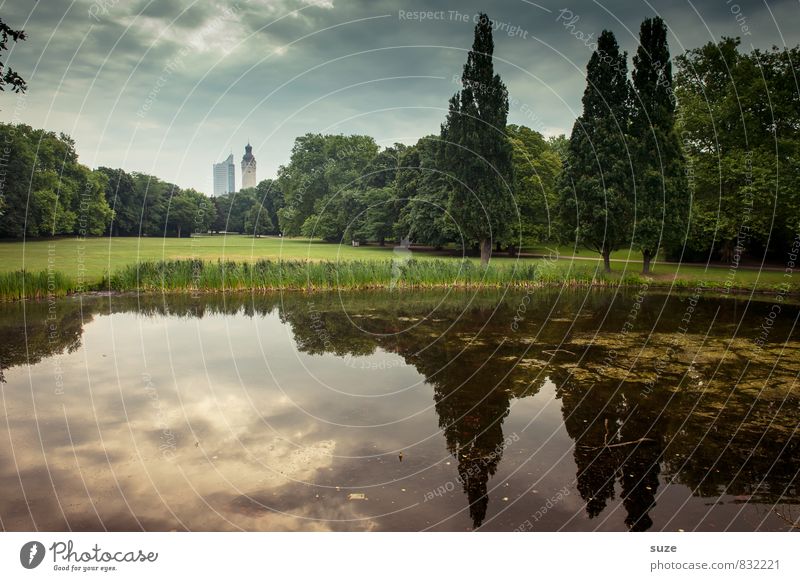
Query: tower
{"x": 248, "y": 168}
{"x": 224, "y": 177}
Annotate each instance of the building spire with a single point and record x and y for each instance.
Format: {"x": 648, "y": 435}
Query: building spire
{"x": 248, "y": 167}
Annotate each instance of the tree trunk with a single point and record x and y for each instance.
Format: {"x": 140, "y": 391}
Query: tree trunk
{"x": 607, "y": 260}
{"x": 726, "y": 252}
{"x": 646, "y": 262}
{"x": 382, "y": 242}
{"x": 497, "y": 247}
{"x": 486, "y": 251}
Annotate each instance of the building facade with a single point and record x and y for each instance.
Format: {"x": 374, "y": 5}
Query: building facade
{"x": 224, "y": 177}
{"x": 248, "y": 168}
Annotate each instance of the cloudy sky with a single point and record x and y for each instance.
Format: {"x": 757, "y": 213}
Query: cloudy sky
{"x": 169, "y": 87}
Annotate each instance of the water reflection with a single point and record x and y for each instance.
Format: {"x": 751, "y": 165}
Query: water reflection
{"x": 398, "y": 411}
{"x": 619, "y": 439}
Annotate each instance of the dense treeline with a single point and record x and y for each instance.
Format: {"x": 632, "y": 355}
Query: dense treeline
{"x": 144, "y": 205}
{"x": 739, "y": 120}
{"x": 46, "y": 192}
{"x": 700, "y": 165}
{"x": 65, "y": 196}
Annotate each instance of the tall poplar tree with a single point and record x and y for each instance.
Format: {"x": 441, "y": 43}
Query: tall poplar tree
{"x": 660, "y": 192}
{"x": 596, "y": 180}
{"x": 476, "y": 153}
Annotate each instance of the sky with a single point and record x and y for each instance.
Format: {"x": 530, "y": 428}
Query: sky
{"x": 170, "y": 87}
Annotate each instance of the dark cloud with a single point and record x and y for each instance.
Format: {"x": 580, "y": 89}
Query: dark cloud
{"x": 181, "y": 13}
{"x": 170, "y": 87}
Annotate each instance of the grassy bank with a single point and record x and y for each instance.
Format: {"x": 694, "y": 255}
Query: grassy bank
{"x": 197, "y": 276}
{"x": 86, "y": 264}
{"x": 89, "y": 260}
{"x": 93, "y": 257}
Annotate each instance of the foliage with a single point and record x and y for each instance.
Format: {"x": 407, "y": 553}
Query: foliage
{"x": 708, "y": 170}
{"x": 477, "y": 155}
{"x": 189, "y": 212}
{"x": 336, "y": 217}
{"x": 47, "y": 192}
{"x": 537, "y": 167}
{"x": 270, "y": 196}
{"x": 257, "y": 221}
{"x": 661, "y": 197}
{"x": 320, "y": 168}
{"x": 596, "y": 184}
{"x": 9, "y": 77}
{"x": 125, "y": 201}
{"x": 232, "y": 208}
{"x": 144, "y": 205}
{"x": 379, "y": 214}
{"x": 422, "y": 196}
{"x": 739, "y": 119}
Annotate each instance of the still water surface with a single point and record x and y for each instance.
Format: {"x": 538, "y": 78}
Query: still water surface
{"x": 589, "y": 410}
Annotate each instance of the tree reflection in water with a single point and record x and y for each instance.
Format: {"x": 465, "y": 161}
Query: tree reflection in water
{"x": 718, "y": 420}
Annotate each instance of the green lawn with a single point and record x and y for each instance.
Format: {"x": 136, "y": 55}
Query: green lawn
{"x": 96, "y": 255}
{"x": 625, "y": 254}
{"x": 87, "y": 260}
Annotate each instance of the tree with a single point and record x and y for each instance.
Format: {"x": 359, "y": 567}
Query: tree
{"x": 596, "y": 180}
{"x": 320, "y": 167}
{"x": 232, "y": 209}
{"x": 559, "y": 144}
{"x": 180, "y": 214}
{"x": 383, "y": 168}
{"x": 537, "y": 166}
{"x": 336, "y": 218}
{"x": 47, "y": 192}
{"x": 8, "y": 76}
{"x": 423, "y": 196}
{"x": 270, "y": 196}
{"x": 124, "y": 200}
{"x": 380, "y": 195}
{"x": 94, "y": 215}
{"x": 189, "y": 212}
{"x": 477, "y": 154}
{"x": 379, "y": 214}
{"x": 153, "y": 197}
{"x": 661, "y": 192}
{"x": 257, "y": 221}
{"x": 738, "y": 118}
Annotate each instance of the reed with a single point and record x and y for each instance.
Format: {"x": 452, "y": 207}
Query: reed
{"x": 266, "y": 275}
{"x": 21, "y": 284}
{"x": 199, "y": 277}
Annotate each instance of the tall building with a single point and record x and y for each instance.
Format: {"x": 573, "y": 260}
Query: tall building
{"x": 248, "y": 168}
{"x": 224, "y": 177}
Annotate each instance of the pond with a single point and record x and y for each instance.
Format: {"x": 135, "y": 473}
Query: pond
{"x": 546, "y": 411}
